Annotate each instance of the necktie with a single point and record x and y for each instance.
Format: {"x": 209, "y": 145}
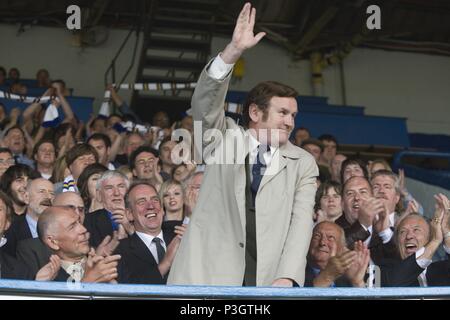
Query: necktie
{"x": 159, "y": 249}
{"x": 258, "y": 169}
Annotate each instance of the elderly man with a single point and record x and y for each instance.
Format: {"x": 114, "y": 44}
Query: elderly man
{"x": 40, "y": 194}
{"x": 60, "y": 228}
{"x": 417, "y": 241}
{"x": 234, "y": 237}
{"x": 330, "y": 263}
{"x": 148, "y": 254}
{"x": 111, "y": 189}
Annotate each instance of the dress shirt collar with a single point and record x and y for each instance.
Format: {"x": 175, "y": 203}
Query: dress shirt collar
{"x": 253, "y": 144}
{"x": 148, "y": 239}
{"x": 32, "y": 225}
{"x": 75, "y": 270}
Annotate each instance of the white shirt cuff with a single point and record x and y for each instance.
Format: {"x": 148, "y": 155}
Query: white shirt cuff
{"x": 423, "y": 263}
{"x": 219, "y": 69}
{"x": 386, "y": 235}
{"x": 447, "y": 249}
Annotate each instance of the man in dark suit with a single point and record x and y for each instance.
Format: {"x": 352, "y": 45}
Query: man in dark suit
{"x": 147, "y": 255}
{"x": 366, "y": 219}
{"x": 330, "y": 263}
{"x": 60, "y": 228}
{"x": 111, "y": 189}
{"x": 40, "y": 194}
{"x": 417, "y": 241}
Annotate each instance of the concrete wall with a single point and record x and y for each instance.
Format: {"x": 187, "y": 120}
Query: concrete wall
{"x": 386, "y": 83}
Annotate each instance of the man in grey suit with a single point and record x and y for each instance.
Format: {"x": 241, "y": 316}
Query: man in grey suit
{"x": 253, "y": 220}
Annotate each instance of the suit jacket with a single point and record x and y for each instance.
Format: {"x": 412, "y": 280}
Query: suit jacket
{"x": 34, "y": 254}
{"x": 11, "y": 268}
{"x": 19, "y": 230}
{"x": 378, "y": 250}
{"x": 137, "y": 264}
{"x": 310, "y": 276}
{"x": 404, "y": 273}
{"x": 212, "y": 251}
{"x": 99, "y": 226}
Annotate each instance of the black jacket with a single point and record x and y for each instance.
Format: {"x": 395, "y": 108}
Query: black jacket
{"x": 34, "y": 254}
{"x": 137, "y": 264}
{"x": 99, "y": 225}
{"x": 19, "y": 230}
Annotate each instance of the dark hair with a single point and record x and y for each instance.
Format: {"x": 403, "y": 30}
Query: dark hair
{"x": 163, "y": 142}
{"x": 6, "y": 150}
{"x": 17, "y": 71}
{"x": 140, "y": 150}
{"x": 8, "y": 204}
{"x": 99, "y": 118}
{"x": 261, "y": 95}
{"x": 356, "y": 161}
{"x": 79, "y": 150}
{"x": 14, "y": 127}
{"x": 3, "y": 70}
{"x": 323, "y": 189}
{"x": 83, "y": 179}
{"x": 328, "y": 137}
{"x": 59, "y": 81}
{"x": 40, "y": 143}
{"x": 42, "y": 70}
{"x": 101, "y": 136}
{"x": 312, "y": 141}
{"x": 14, "y": 172}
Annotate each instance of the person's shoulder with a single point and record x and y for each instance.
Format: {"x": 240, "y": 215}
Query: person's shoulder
{"x": 292, "y": 151}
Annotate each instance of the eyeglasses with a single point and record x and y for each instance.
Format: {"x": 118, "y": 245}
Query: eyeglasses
{"x": 7, "y": 161}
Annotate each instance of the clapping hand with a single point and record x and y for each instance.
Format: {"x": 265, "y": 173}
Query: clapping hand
{"x": 50, "y": 270}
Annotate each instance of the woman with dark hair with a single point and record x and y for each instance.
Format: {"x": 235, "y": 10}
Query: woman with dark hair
{"x": 328, "y": 202}
{"x": 87, "y": 186}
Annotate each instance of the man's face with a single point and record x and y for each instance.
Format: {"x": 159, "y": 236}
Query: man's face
{"x": 314, "y": 150}
{"x": 166, "y": 150}
{"x": 45, "y": 154}
{"x": 384, "y": 188}
{"x": 40, "y": 195}
{"x": 160, "y": 119}
{"x": 72, "y": 237}
{"x": 281, "y": 114}
{"x": 352, "y": 170}
{"x": 336, "y": 165}
{"x": 413, "y": 234}
{"x": 329, "y": 150}
{"x": 134, "y": 141}
{"x": 73, "y": 201}
{"x": 355, "y": 192}
{"x": 15, "y": 141}
{"x": 99, "y": 125}
{"x": 6, "y": 161}
{"x": 331, "y": 203}
{"x": 325, "y": 243}
{"x": 144, "y": 165}
{"x": 102, "y": 150}
{"x": 112, "y": 121}
{"x": 19, "y": 190}
{"x": 112, "y": 193}
{"x": 80, "y": 163}
{"x": 146, "y": 209}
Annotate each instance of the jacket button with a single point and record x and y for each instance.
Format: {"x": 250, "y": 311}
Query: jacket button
{"x": 241, "y": 244}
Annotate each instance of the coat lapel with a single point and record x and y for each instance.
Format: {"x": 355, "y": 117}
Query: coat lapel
{"x": 140, "y": 250}
{"x": 279, "y": 162}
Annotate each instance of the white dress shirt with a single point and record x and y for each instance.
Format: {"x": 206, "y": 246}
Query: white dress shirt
{"x": 32, "y": 225}
{"x": 148, "y": 240}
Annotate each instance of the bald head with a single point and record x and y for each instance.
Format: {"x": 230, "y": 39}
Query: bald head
{"x": 49, "y": 220}
{"x": 71, "y": 200}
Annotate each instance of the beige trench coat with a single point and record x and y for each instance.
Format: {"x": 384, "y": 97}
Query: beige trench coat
{"x": 212, "y": 251}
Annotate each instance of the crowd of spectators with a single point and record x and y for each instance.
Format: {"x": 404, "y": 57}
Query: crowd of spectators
{"x": 102, "y": 202}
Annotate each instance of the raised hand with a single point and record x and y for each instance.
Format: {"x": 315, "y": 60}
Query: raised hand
{"x": 243, "y": 36}
{"x": 356, "y": 272}
{"x": 108, "y": 245}
{"x": 335, "y": 268}
{"x": 443, "y": 205}
{"x": 381, "y": 221}
{"x": 50, "y": 270}
{"x": 369, "y": 209}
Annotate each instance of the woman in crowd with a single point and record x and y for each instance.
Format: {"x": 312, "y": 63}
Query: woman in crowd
{"x": 87, "y": 185}
{"x": 328, "y": 202}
